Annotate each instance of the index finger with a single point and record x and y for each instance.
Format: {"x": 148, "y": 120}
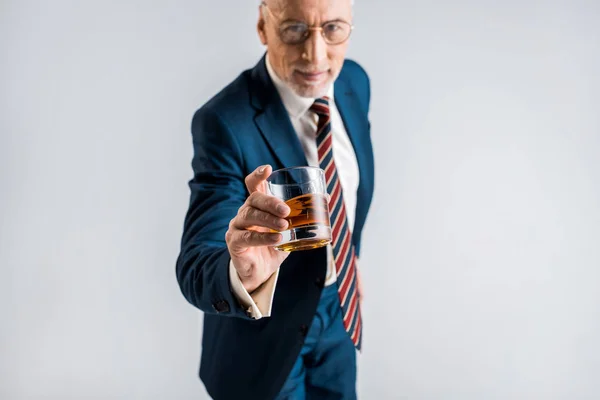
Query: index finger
{"x": 256, "y": 181}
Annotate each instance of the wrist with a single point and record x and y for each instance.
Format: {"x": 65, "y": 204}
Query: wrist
{"x": 250, "y": 283}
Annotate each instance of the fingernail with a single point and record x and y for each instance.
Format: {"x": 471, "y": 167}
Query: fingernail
{"x": 282, "y": 208}
{"x": 262, "y": 169}
{"x": 283, "y": 224}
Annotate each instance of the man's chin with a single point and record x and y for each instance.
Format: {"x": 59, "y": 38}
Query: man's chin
{"x": 311, "y": 91}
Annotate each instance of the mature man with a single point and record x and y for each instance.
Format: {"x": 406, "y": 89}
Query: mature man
{"x": 280, "y": 325}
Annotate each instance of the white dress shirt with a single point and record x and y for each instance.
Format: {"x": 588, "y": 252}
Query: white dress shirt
{"x": 304, "y": 121}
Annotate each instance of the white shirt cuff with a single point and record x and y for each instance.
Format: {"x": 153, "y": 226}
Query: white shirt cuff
{"x": 260, "y": 303}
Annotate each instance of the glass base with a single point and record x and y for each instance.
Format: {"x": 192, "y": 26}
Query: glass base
{"x": 305, "y": 238}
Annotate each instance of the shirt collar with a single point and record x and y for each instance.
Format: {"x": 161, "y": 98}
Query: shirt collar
{"x": 295, "y": 105}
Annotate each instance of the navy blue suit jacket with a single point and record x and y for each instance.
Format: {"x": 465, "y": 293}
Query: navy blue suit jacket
{"x": 242, "y": 127}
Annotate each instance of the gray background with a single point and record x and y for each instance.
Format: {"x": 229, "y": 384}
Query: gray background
{"x": 480, "y": 254}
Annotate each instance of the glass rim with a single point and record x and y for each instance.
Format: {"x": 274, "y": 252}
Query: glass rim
{"x": 320, "y": 170}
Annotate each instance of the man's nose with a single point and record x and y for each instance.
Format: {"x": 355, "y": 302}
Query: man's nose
{"x": 315, "y": 48}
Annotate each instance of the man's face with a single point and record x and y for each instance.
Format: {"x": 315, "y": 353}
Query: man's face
{"x": 311, "y": 65}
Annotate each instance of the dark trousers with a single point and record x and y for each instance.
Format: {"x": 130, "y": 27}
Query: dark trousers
{"x": 326, "y": 367}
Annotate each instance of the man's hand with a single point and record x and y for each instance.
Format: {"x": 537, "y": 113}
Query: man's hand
{"x": 250, "y": 238}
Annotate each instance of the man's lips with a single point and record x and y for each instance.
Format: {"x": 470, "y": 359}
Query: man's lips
{"x": 312, "y": 76}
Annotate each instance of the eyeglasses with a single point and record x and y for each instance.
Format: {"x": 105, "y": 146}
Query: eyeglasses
{"x": 295, "y": 32}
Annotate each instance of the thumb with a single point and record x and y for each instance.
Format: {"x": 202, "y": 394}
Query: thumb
{"x": 256, "y": 181}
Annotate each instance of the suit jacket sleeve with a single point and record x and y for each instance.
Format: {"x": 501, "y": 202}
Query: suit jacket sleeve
{"x": 217, "y": 192}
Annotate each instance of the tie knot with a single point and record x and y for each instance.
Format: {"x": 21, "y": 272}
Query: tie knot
{"x": 321, "y": 106}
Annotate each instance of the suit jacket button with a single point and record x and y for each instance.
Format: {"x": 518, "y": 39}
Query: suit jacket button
{"x": 221, "y": 306}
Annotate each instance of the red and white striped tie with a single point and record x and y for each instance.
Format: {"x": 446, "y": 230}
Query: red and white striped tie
{"x": 343, "y": 249}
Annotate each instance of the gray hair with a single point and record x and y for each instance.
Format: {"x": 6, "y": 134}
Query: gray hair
{"x": 264, "y": 1}
{"x": 264, "y": 12}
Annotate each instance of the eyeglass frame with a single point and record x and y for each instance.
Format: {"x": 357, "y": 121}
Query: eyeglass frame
{"x": 311, "y": 28}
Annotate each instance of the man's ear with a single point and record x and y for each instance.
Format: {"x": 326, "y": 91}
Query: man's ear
{"x": 261, "y": 27}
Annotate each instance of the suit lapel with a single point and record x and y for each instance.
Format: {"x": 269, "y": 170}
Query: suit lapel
{"x": 275, "y": 126}
{"x": 347, "y": 103}
{"x": 273, "y": 120}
